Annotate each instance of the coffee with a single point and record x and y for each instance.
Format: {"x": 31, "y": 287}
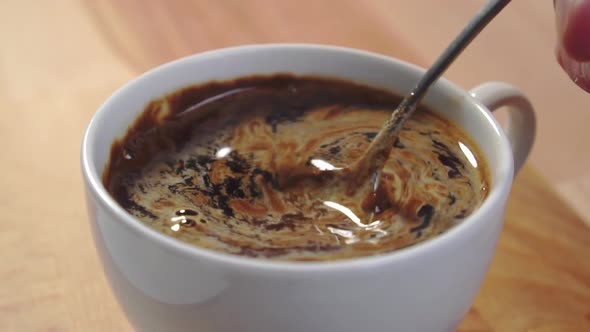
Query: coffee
{"x": 203, "y": 165}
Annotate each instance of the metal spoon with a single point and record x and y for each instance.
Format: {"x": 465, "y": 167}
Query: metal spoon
{"x": 379, "y": 149}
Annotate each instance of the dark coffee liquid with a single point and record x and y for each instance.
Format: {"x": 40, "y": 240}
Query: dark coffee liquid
{"x": 203, "y": 165}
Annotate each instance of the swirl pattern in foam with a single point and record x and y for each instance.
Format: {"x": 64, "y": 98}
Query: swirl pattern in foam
{"x": 207, "y": 174}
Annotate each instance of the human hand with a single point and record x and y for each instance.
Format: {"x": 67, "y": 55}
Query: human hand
{"x": 573, "y": 44}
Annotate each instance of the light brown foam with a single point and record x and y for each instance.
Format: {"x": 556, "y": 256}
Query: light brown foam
{"x": 224, "y": 179}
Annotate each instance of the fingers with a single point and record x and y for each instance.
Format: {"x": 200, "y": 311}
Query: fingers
{"x": 573, "y": 48}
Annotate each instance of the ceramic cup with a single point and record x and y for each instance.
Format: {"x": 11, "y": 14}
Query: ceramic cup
{"x": 163, "y": 284}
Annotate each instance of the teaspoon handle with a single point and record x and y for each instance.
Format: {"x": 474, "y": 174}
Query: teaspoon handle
{"x": 473, "y": 28}
{"x": 379, "y": 149}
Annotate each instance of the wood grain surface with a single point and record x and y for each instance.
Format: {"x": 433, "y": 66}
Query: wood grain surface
{"x": 60, "y": 59}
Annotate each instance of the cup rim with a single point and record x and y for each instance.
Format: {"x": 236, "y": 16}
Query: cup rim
{"x": 95, "y": 187}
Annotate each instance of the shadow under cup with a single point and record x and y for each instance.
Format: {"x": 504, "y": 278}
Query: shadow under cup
{"x": 164, "y": 284}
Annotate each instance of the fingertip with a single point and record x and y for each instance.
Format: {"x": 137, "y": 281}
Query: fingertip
{"x": 575, "y": 38}
{"x": 578, "y": 72}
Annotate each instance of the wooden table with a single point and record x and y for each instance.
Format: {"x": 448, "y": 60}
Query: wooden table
{"x": 61, "y": 59}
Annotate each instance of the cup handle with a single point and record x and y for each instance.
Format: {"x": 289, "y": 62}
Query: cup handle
{"x": 521, "y": 127}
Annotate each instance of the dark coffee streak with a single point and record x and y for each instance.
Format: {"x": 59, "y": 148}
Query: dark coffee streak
{"x": 398, "y": 144}
{"x": 426, "y": 212}
{"x": 449, "y": 159}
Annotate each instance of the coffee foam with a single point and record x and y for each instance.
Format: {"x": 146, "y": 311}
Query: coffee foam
{"x": 219, "y": 190}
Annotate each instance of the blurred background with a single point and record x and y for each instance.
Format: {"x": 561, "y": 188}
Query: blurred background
{"x": 60, "y": 60}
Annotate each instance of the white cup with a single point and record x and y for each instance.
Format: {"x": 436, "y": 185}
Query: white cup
{"x": 167, "y": 285}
